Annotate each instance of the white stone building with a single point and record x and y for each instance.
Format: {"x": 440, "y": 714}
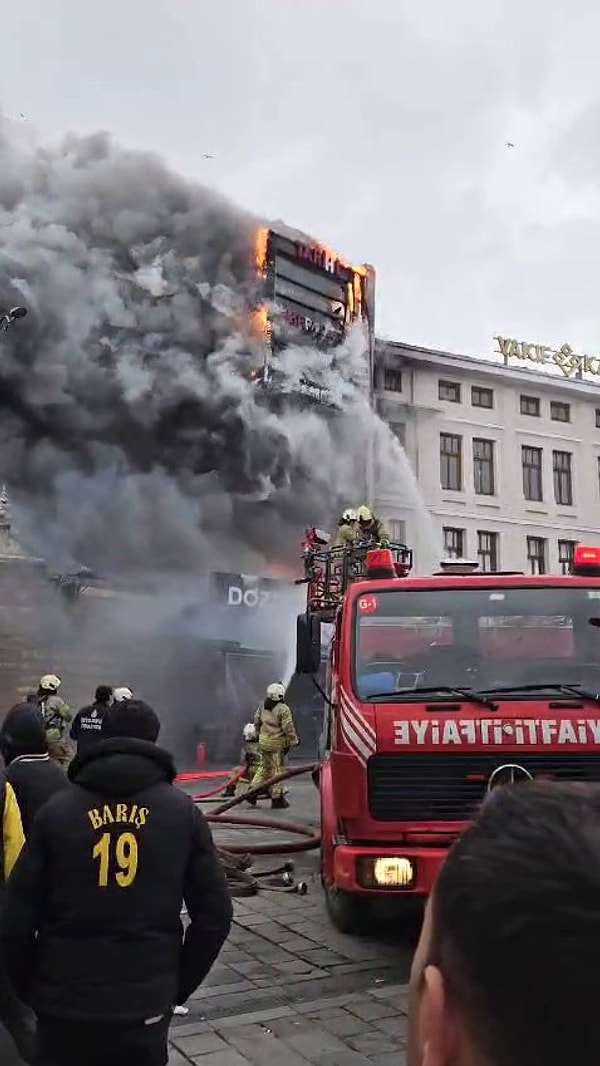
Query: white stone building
{"x": 506, "y": 457}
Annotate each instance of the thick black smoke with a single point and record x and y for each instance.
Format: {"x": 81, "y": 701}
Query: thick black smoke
{"x": 130, "y": 435}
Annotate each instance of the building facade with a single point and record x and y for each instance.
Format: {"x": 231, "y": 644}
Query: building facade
{"x": 503, "y": 461}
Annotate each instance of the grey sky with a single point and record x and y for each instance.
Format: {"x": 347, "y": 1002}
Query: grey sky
{"x": 380, "y": 127}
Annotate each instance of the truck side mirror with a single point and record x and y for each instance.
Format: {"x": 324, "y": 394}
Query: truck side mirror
{"x": 308, "y": 644}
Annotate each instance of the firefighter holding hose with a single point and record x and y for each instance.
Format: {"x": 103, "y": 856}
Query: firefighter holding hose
{"x": 347, "y": 531}
{"x": 371, "y": 529}
{"x": 249, "y": 760}
{"x": 276, "y": 732}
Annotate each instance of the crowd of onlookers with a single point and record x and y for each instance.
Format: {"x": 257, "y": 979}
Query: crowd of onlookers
{"x": 97, "y": 857}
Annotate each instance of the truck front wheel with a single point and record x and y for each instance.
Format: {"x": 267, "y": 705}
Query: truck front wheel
{"x": 348, "y": 913}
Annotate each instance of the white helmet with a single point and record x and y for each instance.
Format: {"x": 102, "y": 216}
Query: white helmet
{"x": 249, "y": 732}
{"x": 349, "y": 515}
{"x": 50, "y": 683}
{"x": 122, "y": 694}
{"x": 276, "y": 691}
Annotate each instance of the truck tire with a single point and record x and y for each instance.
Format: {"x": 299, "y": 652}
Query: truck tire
{"x": 348, "y": 914}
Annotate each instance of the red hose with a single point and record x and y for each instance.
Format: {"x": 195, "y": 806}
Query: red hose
{"x": 311, "y": 837}
{"x": 217, "y": 791}
{"x": 201, "y": 776}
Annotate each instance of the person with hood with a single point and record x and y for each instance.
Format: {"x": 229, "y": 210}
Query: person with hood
{"x": 33, "y": 775}
{"x": 56, "y": 715}
{"x": 88, "y": 723}
{"x": 91, "y": 931}
{"x": 274, "y": 725}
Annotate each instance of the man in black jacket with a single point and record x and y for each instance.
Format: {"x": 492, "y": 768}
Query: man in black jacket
{"x": 91, "y": 928}
{"x": 34, "y": 776}
{"x": 88, "y": 723}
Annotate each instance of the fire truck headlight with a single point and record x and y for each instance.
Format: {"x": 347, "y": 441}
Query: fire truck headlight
{"x": 387, "y": 871}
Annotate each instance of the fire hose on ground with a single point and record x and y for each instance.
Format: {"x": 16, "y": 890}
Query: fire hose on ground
{"x": 236, "y": 859}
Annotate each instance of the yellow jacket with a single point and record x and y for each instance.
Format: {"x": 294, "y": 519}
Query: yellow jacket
{"x": 12, "y": 831}
{"x": 275, "y": 727}
{"x": 346, "y": 536}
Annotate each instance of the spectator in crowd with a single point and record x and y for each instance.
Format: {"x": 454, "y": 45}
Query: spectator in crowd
{"x": 33, "y": 775}
{"x": 88, "y": 723}
{"x": 506, "y": 967}
{"x": 17, "y": 1019}
{"x": 91, "y": 928}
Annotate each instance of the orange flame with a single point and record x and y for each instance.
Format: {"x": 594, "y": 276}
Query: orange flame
{"x": 259, "y": 321}
{"x": 260, "y": 249}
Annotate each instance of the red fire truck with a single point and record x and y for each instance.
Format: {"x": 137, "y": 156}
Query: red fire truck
{"x": 438, "y": 690}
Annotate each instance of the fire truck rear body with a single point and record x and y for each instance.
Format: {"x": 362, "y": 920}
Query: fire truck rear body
{"x": 442, "y": 688}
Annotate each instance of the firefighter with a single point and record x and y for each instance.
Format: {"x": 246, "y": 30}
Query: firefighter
{"x": 56, "y": 716}
{"x": 274, "y": 724}
{"x": 249, "y": 759}
{"x": 122, "y": 694}
{"x": 347, "y": 531}
{"x": 370, "y": 528}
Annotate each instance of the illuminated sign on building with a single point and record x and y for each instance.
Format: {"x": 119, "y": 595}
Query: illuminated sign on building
{"x": 572, "y": 364}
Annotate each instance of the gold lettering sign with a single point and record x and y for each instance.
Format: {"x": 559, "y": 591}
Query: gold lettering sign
{"x": 571, "y": 364}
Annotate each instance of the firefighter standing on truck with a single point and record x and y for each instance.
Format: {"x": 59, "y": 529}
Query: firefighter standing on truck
{"x": 56, "y": 716}
{"x": 276, "y": 737}
{"x": 347, "y": 531}
{"x": 371, "y": 529}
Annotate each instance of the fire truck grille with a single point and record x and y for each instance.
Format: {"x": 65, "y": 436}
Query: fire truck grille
{"x": 449, "y": 788}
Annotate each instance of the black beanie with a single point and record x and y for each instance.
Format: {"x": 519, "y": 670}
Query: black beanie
{"x": 132, "y": 718}
{"x": 23, "y": 732}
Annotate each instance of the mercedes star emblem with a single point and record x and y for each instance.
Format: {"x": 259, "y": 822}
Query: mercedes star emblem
{"x": 510, "y": 774}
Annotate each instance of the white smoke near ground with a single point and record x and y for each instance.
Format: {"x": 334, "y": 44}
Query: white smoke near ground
{"x": 130, "y": 435}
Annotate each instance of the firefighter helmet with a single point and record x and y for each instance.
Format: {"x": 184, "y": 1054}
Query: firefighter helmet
{"x": 249, "y": 732}
{"x": 122, "y": 694}
{"x": 364, "y": 513}
{"x": 349, "y": 515}
{"x": 276, "y": 691}
{"x": 50, "y": 683}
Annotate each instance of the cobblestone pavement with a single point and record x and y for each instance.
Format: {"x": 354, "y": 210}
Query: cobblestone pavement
{"x": 288, "y": 989}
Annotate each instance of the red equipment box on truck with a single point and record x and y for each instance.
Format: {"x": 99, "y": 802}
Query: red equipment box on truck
{"x": 440, "y": 689}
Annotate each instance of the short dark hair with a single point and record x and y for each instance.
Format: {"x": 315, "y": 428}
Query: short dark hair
{"x": 516, "y": 925}
{"x": 103, "y": 694}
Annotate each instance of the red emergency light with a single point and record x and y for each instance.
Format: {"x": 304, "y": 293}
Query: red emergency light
{"x": 586, "y": 562}
{"x": 380, "y": 563}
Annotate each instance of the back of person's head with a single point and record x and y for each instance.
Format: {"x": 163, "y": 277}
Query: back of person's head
{"x": 103, "y": 694}
{"x": 132, "y": 718}
{"x": 22, "y": 732}
{"x": 505, "y": 972}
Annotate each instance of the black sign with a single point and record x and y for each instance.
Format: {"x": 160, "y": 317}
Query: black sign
{"x": 245, "y": 592}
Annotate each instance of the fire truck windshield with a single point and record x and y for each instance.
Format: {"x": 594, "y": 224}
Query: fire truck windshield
{"x": 484, "y": 639}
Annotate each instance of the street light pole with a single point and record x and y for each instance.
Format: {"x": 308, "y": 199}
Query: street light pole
{"x": 7, "y": 319}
